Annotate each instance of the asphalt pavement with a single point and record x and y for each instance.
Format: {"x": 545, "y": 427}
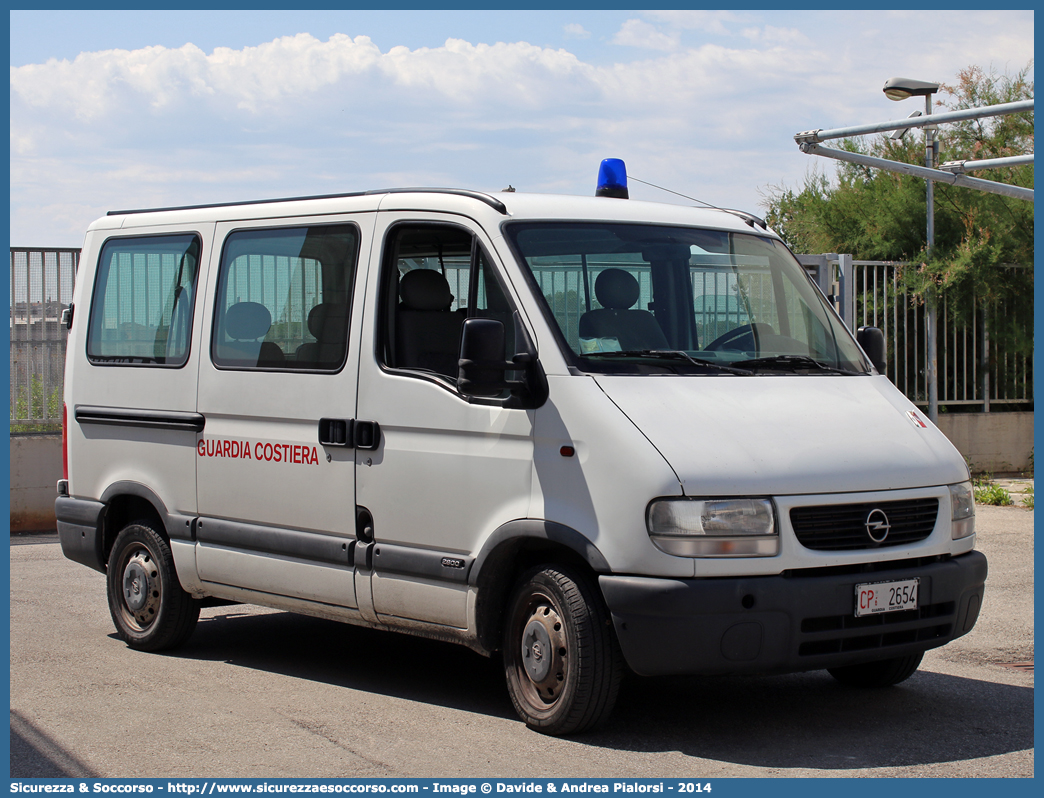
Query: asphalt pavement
{"x": 258, "y": 692}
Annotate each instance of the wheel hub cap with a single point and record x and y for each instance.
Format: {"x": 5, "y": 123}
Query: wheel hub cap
{"x": 135, "y": 585}
{"x": 537, "y": 651}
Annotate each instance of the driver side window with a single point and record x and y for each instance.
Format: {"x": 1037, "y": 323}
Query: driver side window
{"x": 434, "y": 277}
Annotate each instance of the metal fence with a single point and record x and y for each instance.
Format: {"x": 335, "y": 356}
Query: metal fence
{"x": 41, "y": 288}
{"x": 974, "y": 370}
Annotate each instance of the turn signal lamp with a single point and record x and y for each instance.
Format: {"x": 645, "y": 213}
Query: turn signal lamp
{"x": 962, "y": 510}
{"x": 612, "y": 179}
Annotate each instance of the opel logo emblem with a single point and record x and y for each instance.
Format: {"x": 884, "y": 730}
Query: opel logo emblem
{"x": 877, "y": 526}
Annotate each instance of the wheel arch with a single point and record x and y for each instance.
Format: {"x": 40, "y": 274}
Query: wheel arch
{"x": 128, "y": 501}
{"x": 514, "y": 548}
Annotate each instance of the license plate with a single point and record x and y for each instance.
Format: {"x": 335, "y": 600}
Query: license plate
{"x": 875, "y": 597}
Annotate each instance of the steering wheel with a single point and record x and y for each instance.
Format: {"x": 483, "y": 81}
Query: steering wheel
{"x": 743, "y": 338}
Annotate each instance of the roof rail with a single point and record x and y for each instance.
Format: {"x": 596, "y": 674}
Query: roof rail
{"x": 492, "y": 202}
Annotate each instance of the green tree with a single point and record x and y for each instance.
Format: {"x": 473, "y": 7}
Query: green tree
{"x": 878, "y": 215}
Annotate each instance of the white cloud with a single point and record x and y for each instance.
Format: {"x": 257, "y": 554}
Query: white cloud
{"x": 576, "y": 31}
{"x": 286, "y": 72}
{"x": 636, "y": 33}
{"x": 773, "y": 35}
{"x": 706, "y": 21}
{"x": 298, "y": 115}
{"x": 301, "y": 116}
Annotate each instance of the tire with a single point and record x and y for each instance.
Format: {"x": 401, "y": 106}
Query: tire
{"x": 883, "y": 673}
{"x": 562, "y": 663}
{"x": 149, "y": 608}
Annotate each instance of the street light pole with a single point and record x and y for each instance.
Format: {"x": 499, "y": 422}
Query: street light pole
{"x": 900, "y": 89}
{"x": 932, "y": 304}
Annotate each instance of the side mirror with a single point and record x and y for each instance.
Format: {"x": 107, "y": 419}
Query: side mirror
{"x": 872, "y": 340}
{"x": 481, "y": 366}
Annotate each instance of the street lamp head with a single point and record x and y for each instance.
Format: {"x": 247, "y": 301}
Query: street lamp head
{"x": 902, "y": 88}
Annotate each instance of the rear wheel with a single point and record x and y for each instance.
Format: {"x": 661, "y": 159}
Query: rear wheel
{"x": 149, "y": 608}
{"x": 883, "y": 673}
{"x": 561, "y": 660}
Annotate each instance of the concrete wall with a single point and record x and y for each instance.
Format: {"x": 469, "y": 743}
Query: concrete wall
{"x": 36, "y": 467}
{"x": 1000, "y": 443}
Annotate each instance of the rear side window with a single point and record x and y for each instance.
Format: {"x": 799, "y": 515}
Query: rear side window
{"x": 141, "y": 313}
{"x": 284, "y": 298}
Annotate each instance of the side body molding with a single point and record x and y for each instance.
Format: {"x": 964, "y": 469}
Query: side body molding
{"x": 303, "y": 545}
{"x": 133, "y": 417}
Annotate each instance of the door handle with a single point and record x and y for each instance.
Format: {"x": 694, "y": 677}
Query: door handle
{"x": 336, "y": 431}
{"x": 348, "y": 433}
{"x": 367, "y": 435}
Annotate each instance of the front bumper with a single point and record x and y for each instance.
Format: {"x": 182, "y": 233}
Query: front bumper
{"x": 799, "y": 621}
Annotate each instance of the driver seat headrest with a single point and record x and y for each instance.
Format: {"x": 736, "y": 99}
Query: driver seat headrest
{"x": 616, "y": 289}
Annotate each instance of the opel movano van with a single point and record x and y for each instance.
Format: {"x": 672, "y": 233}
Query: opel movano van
{"x": 584, "y": 434}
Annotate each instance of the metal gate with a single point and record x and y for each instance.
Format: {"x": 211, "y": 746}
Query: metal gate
{"x": 975, "y": 370}
{"x": 41, "y": 288}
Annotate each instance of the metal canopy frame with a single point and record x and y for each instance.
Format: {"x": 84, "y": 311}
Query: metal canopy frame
{"x": 951, "y": 172}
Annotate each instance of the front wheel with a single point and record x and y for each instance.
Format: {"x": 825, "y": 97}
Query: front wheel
{"x": 149, "y": 608}
{"x": 561, "y": 659}
{"x": 883, "y": 673}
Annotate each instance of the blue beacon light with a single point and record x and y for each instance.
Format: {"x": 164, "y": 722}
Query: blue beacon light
{"x": 612, "y": 179}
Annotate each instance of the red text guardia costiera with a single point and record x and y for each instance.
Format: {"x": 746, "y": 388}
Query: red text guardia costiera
{"x": 267, "y": 452}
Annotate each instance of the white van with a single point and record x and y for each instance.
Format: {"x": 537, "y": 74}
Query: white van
{"x": 586, "y": 433}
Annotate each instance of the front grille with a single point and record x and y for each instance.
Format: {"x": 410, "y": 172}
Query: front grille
{"x": 839, "y": 527}
{"x": 836, "y": 634}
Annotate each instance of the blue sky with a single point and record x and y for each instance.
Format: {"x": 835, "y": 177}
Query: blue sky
{"x": 138, "y": 109}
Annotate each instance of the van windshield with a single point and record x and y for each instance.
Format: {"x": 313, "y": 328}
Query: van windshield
{"x": 636, "y": 298}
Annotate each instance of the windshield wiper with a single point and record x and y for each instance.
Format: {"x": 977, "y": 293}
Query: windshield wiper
{"x": 673, "y": 354}
{"x": 795, "y": 363}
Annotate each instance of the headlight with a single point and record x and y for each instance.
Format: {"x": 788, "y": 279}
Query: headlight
{"x": 713, "y": 527}
{"x": 962, "y": 510}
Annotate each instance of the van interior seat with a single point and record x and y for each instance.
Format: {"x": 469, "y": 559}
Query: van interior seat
{"x": 245, "y": 323}
{"x": 616, "y": 291}
{"x": 427, "y": 332}
{"x": 328, "y": 324}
